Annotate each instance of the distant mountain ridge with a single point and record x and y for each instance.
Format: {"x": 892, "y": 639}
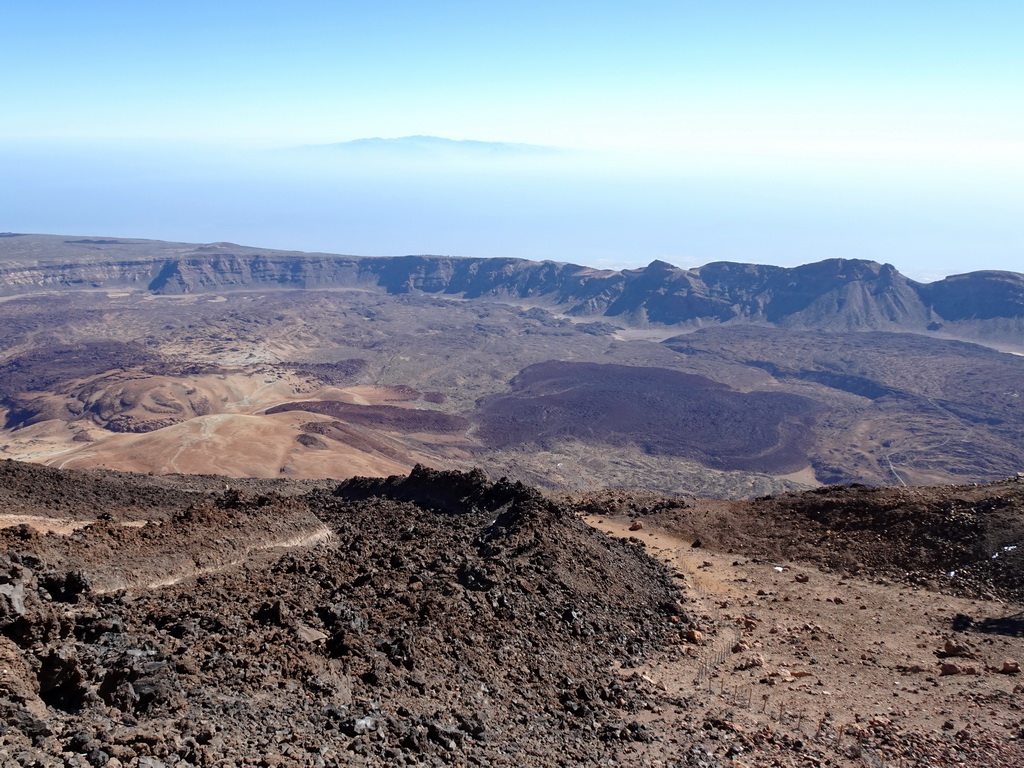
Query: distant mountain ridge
{"x": 830, "y": 295}
{"x": 420, "y": 145}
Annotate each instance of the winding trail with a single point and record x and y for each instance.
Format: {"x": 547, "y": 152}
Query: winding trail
{"x": 187, "y": 568}
{"x": 908, "y": 454}
{"x": 308, "y": 540}
{"x": 705, "y": 592}
{"x": 206, "y": 425}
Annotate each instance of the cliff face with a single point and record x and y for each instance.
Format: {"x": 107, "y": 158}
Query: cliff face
{"x": 835, "y": 294}
{"x": 976, "y": 296}
{"x": 23, "y": 278}
{"x": 227, "y": 271}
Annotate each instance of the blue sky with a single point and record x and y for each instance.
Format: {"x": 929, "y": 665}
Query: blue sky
{"x": 870, "y": 105}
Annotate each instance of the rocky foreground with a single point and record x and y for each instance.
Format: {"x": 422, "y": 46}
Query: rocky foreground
{"x": 442, "y": 619}
{"x": 479, "y": 625}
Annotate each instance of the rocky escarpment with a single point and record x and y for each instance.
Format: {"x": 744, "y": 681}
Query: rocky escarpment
{"x": 835, "y": 294}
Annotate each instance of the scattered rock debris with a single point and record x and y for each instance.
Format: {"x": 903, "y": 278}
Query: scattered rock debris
{"x": 445, "y": 620}
{"x": 442, "y": 619}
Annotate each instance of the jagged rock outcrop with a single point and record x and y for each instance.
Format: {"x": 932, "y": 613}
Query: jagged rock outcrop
{"x": 438, "y": 619}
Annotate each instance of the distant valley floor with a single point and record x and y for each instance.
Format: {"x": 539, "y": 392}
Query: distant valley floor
{"x": 272, "y": 381}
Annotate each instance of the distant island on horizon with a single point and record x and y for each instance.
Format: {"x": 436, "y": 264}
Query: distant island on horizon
{"x": 423, "y": 144}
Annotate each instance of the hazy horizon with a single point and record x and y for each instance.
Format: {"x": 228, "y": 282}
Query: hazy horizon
{"x": 691, "y": 133}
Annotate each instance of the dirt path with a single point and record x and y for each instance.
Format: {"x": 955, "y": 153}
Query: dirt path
{"x": 206, "y": 426}
{"x": 155, "y": 562}
{"x": 704, "y": 588}
{"x": 311, "y": 539}
{"x": 61, "y": 525}
{"x": 785, "y": 645}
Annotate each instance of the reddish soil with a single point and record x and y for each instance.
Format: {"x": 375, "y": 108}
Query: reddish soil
{"x": 799, "y": 666}
{"x": 352, "y": 436}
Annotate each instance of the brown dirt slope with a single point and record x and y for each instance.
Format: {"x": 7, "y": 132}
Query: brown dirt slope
{"x": 960, "y": 539}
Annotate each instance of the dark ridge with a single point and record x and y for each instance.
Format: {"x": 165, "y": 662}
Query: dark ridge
{"x": 331, "y": 373}
{"x": 966, "y": 540}
{"x": 968, "y": 536}
{"x": 44, "y": 367}
{"x": 834, "y": 294}
{"x": 311, "y": 441}
{"x": 980, "y": 295}
{"x": 796, "y": 290}
{"x": 447, "y": 491}
{"x": 444, "y": 637}
{"x": 973, "y": 532}
{"x": 163, "y": 278}
{"x": 598, "y": 328}
{"x": 855, "y": 385}
{"x": 380, "y": 416}
{"x": 664, "y": 412}
{"x": 353, "y": 437}
{"x": 35, "y": 489}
